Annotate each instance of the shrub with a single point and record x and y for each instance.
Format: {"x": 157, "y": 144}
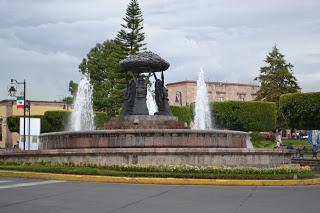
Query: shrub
{"x": 301, "y": 110}
{"x": 14, "y": 122}
{"x": 245, "y": 116}
{"x": 54, "y": 121}
{"x": 100, "y": 119}
{"x": 184, "y": 113}
{"x": 57, "y": 120}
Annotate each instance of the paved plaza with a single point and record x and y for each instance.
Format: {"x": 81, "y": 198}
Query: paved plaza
{"x": 38, "y": 196}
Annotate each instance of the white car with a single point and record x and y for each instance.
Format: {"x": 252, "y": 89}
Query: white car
{"x": 305, "y": 137}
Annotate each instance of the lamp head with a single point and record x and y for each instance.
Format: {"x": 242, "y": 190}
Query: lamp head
{"x": 12, "y": 91}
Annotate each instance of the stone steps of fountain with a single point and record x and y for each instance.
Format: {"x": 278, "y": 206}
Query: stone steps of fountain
{"x": 219, "y": 157}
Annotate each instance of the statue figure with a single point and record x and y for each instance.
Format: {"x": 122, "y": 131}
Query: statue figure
{"x": 135, "y": 94}
{"x": 129, "y": 97}
{"x": 140, "y": 104}
{"x": 162, "y": 99}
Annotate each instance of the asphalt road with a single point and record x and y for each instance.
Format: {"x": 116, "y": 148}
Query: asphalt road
{"x": 40, "y": 196}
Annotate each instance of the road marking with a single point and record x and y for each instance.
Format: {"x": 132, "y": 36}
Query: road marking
{"x": 30, "y": 184}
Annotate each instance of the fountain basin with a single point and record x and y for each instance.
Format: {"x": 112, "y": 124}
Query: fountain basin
{"x": 219, "y": 157}
{"x": 144, "y": 138}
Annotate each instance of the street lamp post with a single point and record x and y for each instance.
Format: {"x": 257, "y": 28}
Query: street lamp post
{"x": 12, "y": 91}
{"x": 28, "y": 108}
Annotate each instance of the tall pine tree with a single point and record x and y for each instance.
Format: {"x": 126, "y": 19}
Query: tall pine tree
{"x": 102, "y": 62}
{"x": 276, "y": 79}
{"x": 131, "y": 36}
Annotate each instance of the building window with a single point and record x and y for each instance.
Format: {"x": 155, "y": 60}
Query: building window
{"x": 178, "y": 98}
{"x": 220, "y": 98}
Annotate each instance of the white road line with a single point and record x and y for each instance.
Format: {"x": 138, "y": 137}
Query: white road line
{"x": 30, "y": 184}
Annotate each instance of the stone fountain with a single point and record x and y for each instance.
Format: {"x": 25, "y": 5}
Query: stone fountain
{"x": 135, "y": 137}
{"x": 135, "y": 127}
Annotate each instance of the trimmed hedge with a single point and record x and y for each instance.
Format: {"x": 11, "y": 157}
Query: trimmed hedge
{"x": 184, "y": 113}
{"x": 301, "y": 110}
{"x": 14, "y": 123}
{"x": 245, "y": 115}
{"x": 55, "y": 121}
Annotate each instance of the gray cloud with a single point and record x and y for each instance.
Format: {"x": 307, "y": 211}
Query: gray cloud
{"x": 44, "y": 41}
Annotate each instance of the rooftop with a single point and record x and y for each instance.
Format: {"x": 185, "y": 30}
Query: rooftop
{"x": 211, "y": 82}
{"x": 32, "y": 101}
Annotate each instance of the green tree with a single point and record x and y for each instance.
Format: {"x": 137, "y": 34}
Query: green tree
{"x": 276, "y": 79}
{"x": 68, "y": 101}
{"x": 131, "y": 36}
{"x": 102, "y": 64}
{"x": 302, "y": 110}
{"x": 73, "y": 88}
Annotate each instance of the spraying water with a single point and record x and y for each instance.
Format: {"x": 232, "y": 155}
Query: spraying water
{"x": 151, "y": 103}
{"x": 82, "y": 117}
{"x": 202, "y": 118}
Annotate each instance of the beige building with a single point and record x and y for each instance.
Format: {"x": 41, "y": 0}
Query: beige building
{"x": 9, "y": 108}
{"x": 184, "y": 92}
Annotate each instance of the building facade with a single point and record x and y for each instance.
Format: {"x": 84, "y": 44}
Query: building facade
{"x": 184, "y": 92}
{"x": 9, "y": 108}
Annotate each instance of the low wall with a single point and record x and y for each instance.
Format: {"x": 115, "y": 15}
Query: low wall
{"x": 219, "y": 157}
{"x": 150, "y": 138}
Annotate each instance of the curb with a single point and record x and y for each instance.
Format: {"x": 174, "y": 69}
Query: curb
{"x": 166, "y": 181}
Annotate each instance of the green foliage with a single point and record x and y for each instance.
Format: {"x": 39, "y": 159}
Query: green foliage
{"x": 271, "y": 143}
{"x": 73, "y": 88}
{"x": 245, "y": 116}
{"x": 131, "y": 36}
{"x": 102, "y": 62}
{"x": 236, "y": 115}
{"x": 100, "y": 118}
{"x": 68, "y": 101}
{"x": 162, "y": 171}
{"x": 102, "y": 65}
{"x": 276, "y": 79}
{"x": 301, "y": 110}
{"x": 57, "y": 120}
{"x": 184, "y": 113}
{"x": 14, "y": 123}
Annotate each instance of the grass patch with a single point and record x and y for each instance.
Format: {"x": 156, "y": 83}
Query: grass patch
{"x": 285, "y": 142}
{"x": 163, "y": 171}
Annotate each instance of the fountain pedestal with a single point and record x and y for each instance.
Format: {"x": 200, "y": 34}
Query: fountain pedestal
{"x": 145, "y": 122}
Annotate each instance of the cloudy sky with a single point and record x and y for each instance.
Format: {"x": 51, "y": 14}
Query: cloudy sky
{"x": 44, "y": 41}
